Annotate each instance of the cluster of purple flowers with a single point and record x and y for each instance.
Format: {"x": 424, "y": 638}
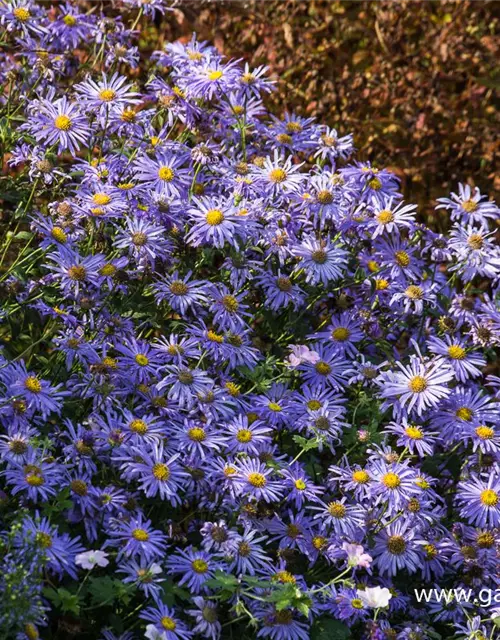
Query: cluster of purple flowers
{"x": 262, "y": 392}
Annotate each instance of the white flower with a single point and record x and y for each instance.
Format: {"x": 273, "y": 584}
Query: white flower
{"x": 356, "y": 556}
{"x": 375, "y": 597}
{"x": 152, "y": 633}
{"x": 155, "y": 569}
{"x": 301, "y": 353}
{"x": 90, "y": 559}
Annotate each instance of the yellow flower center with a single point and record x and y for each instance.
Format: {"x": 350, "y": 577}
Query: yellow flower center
{"x": 414, "y": 292}
{"x": 214, "y": 75}
{"x": 107, "y": 270}
{"x": 341, "y": 334}
{"x": 385, "y": 216}
{"x": 485, "y": 540}
{"x": 140, "y": 535}
{"x": 489, "y": 498}
{"x": 337, "y": 510}
{"x": 44, "y": 539}
{"x": 128, "y": 115}
{"x": 197, "y": 434}
{"x": 141, "y": 360}
{"x": 101, "y": 198}
{"x": 229, "y": 471}
{"x": 381, "y": 284}
{"x": 232, "y": 388}
{"x": 396, "y": 545}
{"x": 31, "y": 631}
{"x": 214, "y": 217}
{"x": 244, "y": 435}
{"x": 314, "y": 405}
{"x": 325, "y": 197}
{"x": 230, "y": 303}
{"x": 319, "y": 256}
{"x": 257, "y": 480}
{"x": 285, "y": 576}
{"x": 62, "y": 122}
{"x": 402, "y": 258}
{"x": 475, "y": 241}
{"x": 178, "y": 288}
{"x": 168, "y": 624}
{"x": 69, "y": 20}
{"x": 79, "y": 487}
{"x": 274, "y": 406}
{"x": 456, "y": 352}
{"x": 77, "y": 273}
{"x": 414, "y": 433}
{"x": 138, "y": 426}
{"x": 417, "y": 384}
{"x": 277, "y": 175}
{"x": 319, "y": 542}
{"x": 361, "y": 476}
{"x": 161, "y": 472}
{"x": 59, "y": 235}
{"x": 422, "y": 483}
{"x": 34, "y": 479}
{"x": 391, "y": 480}
{"x": 356, "y": 603}
{"x": 375, "y": 184}
{"x": 139, "y": 239}
{"x": 166, "y": 174}
{"x": 300, "y": 485}
{"x": 323, "y": 368}
{"x": 33, "y": 384}
{"x": 215, "y": 337}
{"x": 200, "y": 566}
{"x": 107, "y": 95}
{"x": 485, "y": 433}
{"x": 430, "y": 551}
{"x": 469, "y": 206}
{"x": 284, "y": 138}
{"x": 464, "y": 413}
{"x": 22, "y": 14}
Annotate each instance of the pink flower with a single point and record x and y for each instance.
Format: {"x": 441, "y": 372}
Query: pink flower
{"x": 301, "y": 353}
{"x": 356, "y": 556}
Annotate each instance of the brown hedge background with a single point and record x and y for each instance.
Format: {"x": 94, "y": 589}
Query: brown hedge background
{"x": 415, "y": 82}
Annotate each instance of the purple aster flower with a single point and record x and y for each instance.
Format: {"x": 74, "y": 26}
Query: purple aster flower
{"x": 330, "y": 371}
{"x": 330, "y": 146}
{"x": 166, "y": 622}
{"x": 243, "y": 436}
{"x": 206, "y": 617}
{"x": 37, "y": 477}
{"x": 480, "y": 501}
{"x": 214, "y": 222}
{"x": 75, "y": 271}
{"x": 390, "y": 216}
{"x": 163, "y": 172}
{"x": 146, "y": 576}
{"x": 58, "y": 122}
{"x": 394, "y": 483}
{"x": 417, "y": 386}
{"x": 278, "y": 175}
{"x": 157, "y": 473}
{"x": 280, "y": 291}
{"x": 396, "y": 549}
{"x": 194, "y": 567}
{"x": 106, "y": 93}
{"x": 248, "y": 556}
{"x": 343, "y": 518}
{"x": 144, "y": 240}
{"x": 413, "y": 437}
{"x": 254, "y": 479}
{"x": 321, "y": 261}
{"x": 460, "y": 358}
{"x": 137, "y": 539}
{"x": 185, "y": 384}
{"x": 139, "y": 359}
{"x": 281, "y": 625}
{"x": 181, "y": 293}
{"x": 468, "y": 205}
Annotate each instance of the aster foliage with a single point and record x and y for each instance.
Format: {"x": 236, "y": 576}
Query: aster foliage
{"x": 242, "y": 389}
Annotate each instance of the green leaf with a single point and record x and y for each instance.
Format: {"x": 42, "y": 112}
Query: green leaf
{"x": 69, "y": 601}
{"x": 223, "y": 580}
{"x": 326, "y": 628}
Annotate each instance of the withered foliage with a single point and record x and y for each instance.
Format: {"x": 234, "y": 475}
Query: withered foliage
{"x": 415, "y": 81}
